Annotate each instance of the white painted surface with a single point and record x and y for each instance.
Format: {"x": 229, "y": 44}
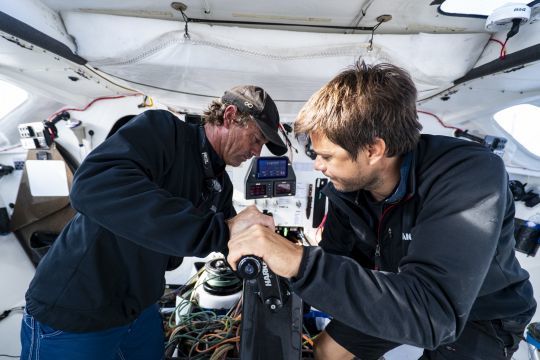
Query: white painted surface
{"x": 16, "y": 271}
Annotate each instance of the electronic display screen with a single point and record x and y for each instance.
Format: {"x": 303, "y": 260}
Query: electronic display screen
{"x": 257, "y": 190}
{"x": 283, "y": 188}
{"x": 272, "y": 167}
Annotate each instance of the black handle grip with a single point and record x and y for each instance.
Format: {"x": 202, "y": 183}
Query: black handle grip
{"x": 249, "y": 267}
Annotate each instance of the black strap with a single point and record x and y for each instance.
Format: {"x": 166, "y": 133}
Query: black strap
{"x": 209, "y": 177}
{"x": 27, "y": 33}
{"x": 319, "y": 205}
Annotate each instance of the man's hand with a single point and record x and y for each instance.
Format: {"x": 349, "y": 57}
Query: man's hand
{"x": 247, "y": 217}
{"x": 282, "y": 256}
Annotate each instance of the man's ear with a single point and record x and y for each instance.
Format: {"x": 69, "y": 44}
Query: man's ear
{"x": 229, "y": 116}
{"x": 376, "y": 151}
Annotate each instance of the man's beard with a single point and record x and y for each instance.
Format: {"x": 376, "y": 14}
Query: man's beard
{"x": 360, "y": 183}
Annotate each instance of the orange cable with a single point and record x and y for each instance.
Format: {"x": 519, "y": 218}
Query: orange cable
{"x": 308, "y": 339}
{"x": 234, "y": 339}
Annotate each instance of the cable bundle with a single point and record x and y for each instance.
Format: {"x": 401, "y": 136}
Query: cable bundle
{"x": 196, "y": 333}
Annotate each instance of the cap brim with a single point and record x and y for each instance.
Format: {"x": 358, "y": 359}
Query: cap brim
{"x": 275, "y": 144}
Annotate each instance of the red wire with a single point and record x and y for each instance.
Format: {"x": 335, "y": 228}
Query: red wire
{"x": 321, "y": 226}
{"x": 51, "y": 133}
{"x": 439, "y": 120}
{"x": 502, "y": 53}
{"x": 89, "y": 104}
{"x": 497, "y": 41}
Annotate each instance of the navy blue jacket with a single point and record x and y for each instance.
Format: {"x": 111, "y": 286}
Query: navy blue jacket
{"x": 445, "y": 252}
{"x": 140, "y": 198}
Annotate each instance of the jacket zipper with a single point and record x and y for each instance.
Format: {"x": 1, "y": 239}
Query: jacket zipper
{"x": 378, "y": 258}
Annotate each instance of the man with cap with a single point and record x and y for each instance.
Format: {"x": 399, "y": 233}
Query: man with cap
{"x": 152, "y": 193}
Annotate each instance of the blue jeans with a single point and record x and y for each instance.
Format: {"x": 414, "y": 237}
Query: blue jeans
{"x": 141, "y": 340}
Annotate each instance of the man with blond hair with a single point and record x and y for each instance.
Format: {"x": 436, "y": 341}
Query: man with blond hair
{"x": 152, "y": 193}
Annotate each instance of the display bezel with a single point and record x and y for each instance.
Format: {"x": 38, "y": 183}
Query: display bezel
{"x": 253, "y": 190}
{"x": 262, "y": 166}
{"x": 283, "y": 188}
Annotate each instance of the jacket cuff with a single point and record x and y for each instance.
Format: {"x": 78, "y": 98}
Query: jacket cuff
{"x": 303, "y": 264}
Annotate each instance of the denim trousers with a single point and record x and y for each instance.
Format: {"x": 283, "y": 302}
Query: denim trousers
{"x": 142, "y": 339}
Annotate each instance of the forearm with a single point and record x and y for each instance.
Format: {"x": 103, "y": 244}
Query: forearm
{"x": 396, "y": 307}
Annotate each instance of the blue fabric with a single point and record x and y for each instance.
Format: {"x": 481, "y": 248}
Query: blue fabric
{"x": 141, "y": 340}
{"x": 532, "y": 340}
{"x": 401, "y": 189}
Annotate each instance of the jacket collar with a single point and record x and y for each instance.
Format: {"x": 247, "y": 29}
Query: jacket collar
{"x": 218, "y": 165}
{"x": 401, "y": 189}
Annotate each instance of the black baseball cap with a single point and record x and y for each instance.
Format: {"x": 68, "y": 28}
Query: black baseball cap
{"x": 256, "y": 102}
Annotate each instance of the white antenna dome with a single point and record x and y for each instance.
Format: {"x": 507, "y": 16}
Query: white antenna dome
{"x": 503, "y": 17}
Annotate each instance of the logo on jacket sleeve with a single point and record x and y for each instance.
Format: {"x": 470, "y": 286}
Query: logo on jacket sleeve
{"x": 406, "y": 236}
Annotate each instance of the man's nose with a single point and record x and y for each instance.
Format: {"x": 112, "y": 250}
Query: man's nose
{"x": 318, "y": 165}
{"x": 256, "y": 151}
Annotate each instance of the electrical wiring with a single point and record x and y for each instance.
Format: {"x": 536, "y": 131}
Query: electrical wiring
{"x": 147, "y": 102}
{"x": 303, "y": 238}
{"x": 221, "y": 352}
{"x": 90, "y": 104}
{"x": 7, "y": 312}
{"x": 215, "y": 346}
{"x": 99, "y": 73}
{"x": 190, "y": 93}
{"x": 321, "y": 226}
{"x": 288, "y": 141}
{"x": 196, "y": 333}
{"x": 511, "y": 33}
{"x": 307, "y": 339}
{"x": 438, "y": 119}
{"x": 10, "y": 356}
{"x": 10, "y": 148}
{"x": 202, "y": 333}
{"x": 502, "y": 53}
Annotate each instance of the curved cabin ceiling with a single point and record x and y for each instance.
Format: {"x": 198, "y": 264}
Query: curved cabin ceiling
{"x": 289, "y": 48}
{"x": 407, "y": 16}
